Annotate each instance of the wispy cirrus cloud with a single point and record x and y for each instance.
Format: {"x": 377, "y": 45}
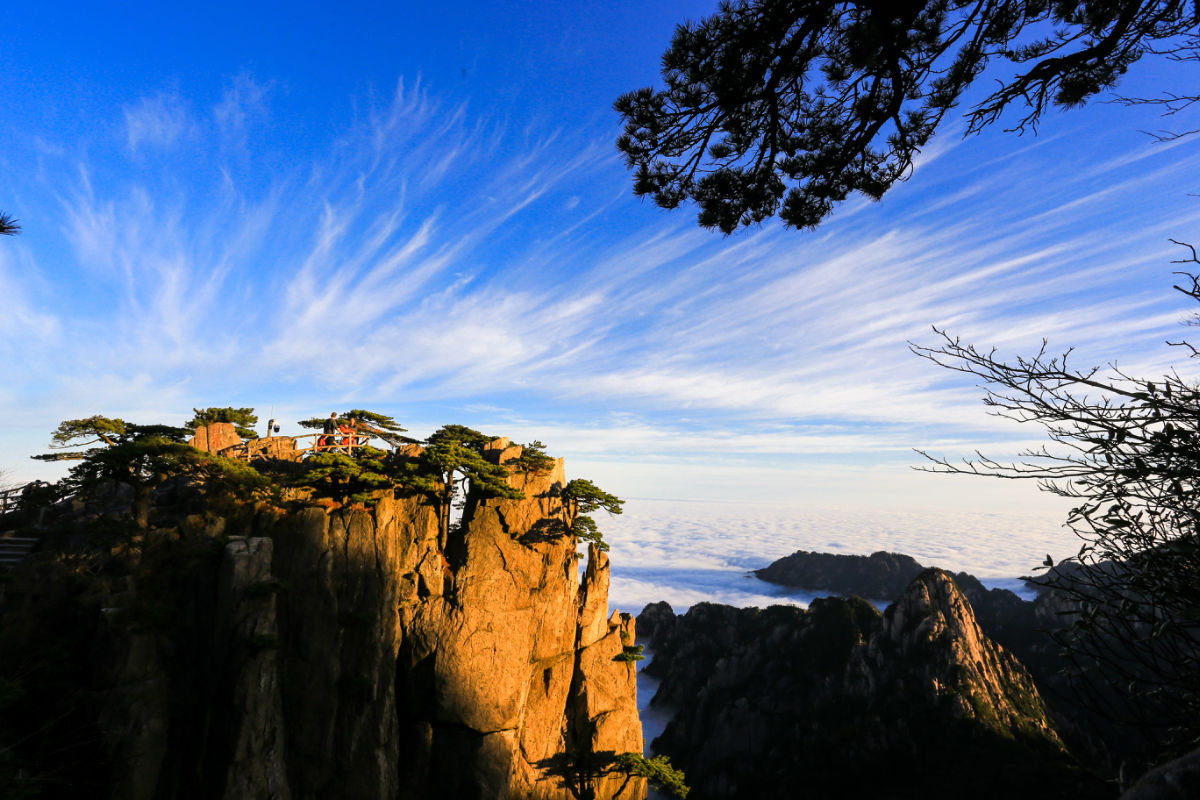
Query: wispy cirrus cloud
{"x": 243, "y": 101}
{"x": 157, "y": 122}
{"x": 432, "y": 262}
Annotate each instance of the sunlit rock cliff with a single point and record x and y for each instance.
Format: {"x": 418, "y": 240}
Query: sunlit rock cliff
{"x": 302, "y": 649}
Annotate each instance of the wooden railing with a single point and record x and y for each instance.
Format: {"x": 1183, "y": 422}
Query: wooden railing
{"x": 342, "y": 443}
{"x": 345, "y": 444}
{"x": 10, "y": 498}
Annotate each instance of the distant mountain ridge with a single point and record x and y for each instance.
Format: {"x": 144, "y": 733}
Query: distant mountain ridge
{"x": 879, "y": 576}
{"x": 843, "y": 701}
{"x": 884, "y": 576}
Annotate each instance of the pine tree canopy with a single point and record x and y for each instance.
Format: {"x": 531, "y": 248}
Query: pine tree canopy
{"x": 788, "y": 106}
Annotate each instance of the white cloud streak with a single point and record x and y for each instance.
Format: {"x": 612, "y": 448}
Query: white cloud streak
{"x": 157, "y": 122}
{"x": 426, "y": 263}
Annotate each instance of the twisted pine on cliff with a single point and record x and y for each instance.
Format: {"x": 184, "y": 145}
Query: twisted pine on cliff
{"x": 141, "y": 456}
{"x": 533, "y": 458}
{"x": 77, "y": 433}
{"x": 72, "y": 439}
{"x": 380, "y": 425}
{"x": 452, "y": 464}
{"x": 657, "y": 770}
{"x": 581, "y": 497}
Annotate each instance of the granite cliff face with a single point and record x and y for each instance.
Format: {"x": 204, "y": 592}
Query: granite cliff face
{"x": 305, "y": 650}
{"x": 847, "y": 702}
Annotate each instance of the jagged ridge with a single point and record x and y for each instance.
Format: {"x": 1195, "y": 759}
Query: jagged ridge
{"x": 842, "y": 701}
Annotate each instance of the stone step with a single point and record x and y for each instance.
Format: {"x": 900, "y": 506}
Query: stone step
{"x": 14, "y": 549}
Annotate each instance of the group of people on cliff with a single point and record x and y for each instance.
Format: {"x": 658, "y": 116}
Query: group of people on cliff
{"x": 341, "y": 433}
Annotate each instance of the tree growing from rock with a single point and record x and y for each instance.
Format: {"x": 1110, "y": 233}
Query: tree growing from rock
{"x": 242, "y": 419}
{"x": 580, "y": 497}
{"x": 451, "y": 465}
{"x": 380, "y": 426}
{"x": 348, "y": 478}
{"x": 788, "y": 106}
{"x": 658, "y": 771}
{"x": 141, "y": 456}
{"x": 73, "y": 434}
{"x": 533, "y": 458}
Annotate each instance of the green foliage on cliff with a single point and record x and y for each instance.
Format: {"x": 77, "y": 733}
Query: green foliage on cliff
{"x": 93, "y": 429}
{"x": 73, "y": 434}
{"x": 631, "y": 653}
{"x": 140, "y": 455}
{"x": 452, "y": 462}
{"x": 243, "y": 419}
{"x": 144, "y": 462}
{"x": 583, "y": 496}
{"x": 533, "y": 458}
{"x": 379, "y": 425}
{"x": 585, "y": 529}
{"x": 657, "y": 770}
{"x": 580, "y": 497}
{"x": 348, "y": 478}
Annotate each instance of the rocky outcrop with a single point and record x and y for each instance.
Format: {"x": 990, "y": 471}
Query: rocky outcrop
{"x": 1023, "y": 627}
{"x": 312, "y": 650}
{"x": 847, "y": 702}
{"x": 885, "y": 576}
{"x": 1176, "y": 780}
{"x": 504, "y": 690}
{"x": 215, "y": 437}
{"x": 879, "y": 576}
{"x": 656, "y": 623}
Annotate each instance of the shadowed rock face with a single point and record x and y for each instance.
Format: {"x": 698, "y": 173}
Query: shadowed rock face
{"x": 885, "y": 576}
{"x": 1176, "y": 780}
{"x": 847, "y": 702}
{"x": 310, "y": 652}
{"x": 1022, "y": 627}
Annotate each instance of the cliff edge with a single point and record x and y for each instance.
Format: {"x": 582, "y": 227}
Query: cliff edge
{"x": 189, "y": 645}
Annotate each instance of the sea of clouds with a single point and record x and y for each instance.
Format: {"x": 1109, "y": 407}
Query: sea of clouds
{"x": 686, "y": 552}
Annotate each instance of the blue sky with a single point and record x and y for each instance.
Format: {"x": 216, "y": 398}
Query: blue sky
{"x": 305, "y": 207}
